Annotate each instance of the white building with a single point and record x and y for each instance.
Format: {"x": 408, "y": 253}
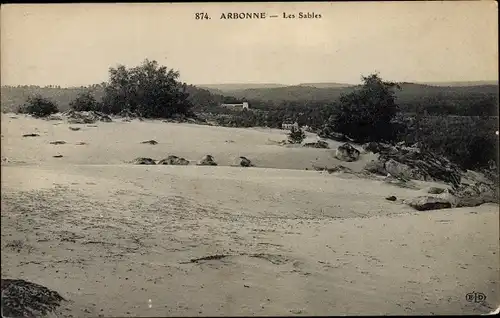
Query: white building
{"x": 289, "y": 126}
{"x": 242, "y": 106}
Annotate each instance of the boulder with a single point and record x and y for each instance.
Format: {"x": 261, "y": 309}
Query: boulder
{"x": 346, "y": 152}
{"x": 207, "y": 160}
{"x": 143, "y": 161}
{"x": 58, "y": 142}
{"x": 22, "y": 298}
{"x": 318, "y": 144}
{"x": 54, "y": 117}
{"x": 74, "y": 128}
{"x": 174, "y": 160}
{"x": 85, "y": 117}
{"x": 435, "y": 190}
{"x": 244, "y": 162}
{"x": 426, "y": 203}
{"x": 391, "y": 198}
{"x": 398, "y": 169}
{"x": 31, "y": 135}
{"x": 151, "y": 142}
{"x": 376, "y": 167}
{"x": 376, "y": 147}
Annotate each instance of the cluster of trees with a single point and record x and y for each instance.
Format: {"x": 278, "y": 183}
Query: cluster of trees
{"x": 149, "y": 90}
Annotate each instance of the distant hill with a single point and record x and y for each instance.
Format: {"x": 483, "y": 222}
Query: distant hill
{"x": 462, "y": 84}
{"x": 13, "y": 97}
{"x": 326, "y": 85}
{"x": 310, "y": 93}
{"x": 236, "y": 86}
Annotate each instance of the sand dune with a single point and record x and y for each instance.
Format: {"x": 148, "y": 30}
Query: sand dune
{"x": 125, "y": 240}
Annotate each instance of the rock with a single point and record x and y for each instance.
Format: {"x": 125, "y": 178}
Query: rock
{"x": 54, "y": 117}
{"x": 421, "y": 165}
{"x": 402, "y": 183}
{"x": 472, "y": 195}
{"x": 143, "y": 161}
{"x": 151, "y": 142}
{"x": 174, "y": 160}
{"x": 207, "y": 160}
{"x": 58, "y": 142}
{"x": 434, "y": 190}
{"x": 376, "y": 147}
{"x": 376, "y": 167}
{"x": 58, "y": 156}
{"x": 74, "y": 128}
{"x": 85, "y": 117}
{"x": 21, "y": 298}
{"x": 397, "y": 169}
{"x": 244, "y": 162}
{"x": 346, "y": 152}
{"x": 339, "y": 168}
{"x": 318, "y": 144}
{"x": 31, "y": 135}
{"x": 81, "y": 143}
{"x": 391, "y": 198}
{"x": 425, "y": 203}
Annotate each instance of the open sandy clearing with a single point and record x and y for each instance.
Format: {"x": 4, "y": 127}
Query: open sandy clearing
{"x": 228, "y": 241}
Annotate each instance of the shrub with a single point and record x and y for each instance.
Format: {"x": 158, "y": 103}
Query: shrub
{"x": 38, "y": 107}
{"x": 296, "y": 135}
{"x": 367, "y": 114}
{"x": 85, "y": 102}
{"x": 150, "y": 90}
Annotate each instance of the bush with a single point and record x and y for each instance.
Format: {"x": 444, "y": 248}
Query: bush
{"x": 85, "y": 102}
{"x": 38, "y": 107}
{"x": 296, "y": 135}
{"x": 150, "y": 90}
{"x": 467, "y": 141}
{"x": 367, "y": 114}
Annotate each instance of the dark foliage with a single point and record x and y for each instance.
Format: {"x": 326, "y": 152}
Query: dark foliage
{"x": 38, "y": 107}
{"x": 367, "y": 114}
{"x": 150, "y": 90}
{"x": 85, "y": 102}
{"x": 296, "y": 135}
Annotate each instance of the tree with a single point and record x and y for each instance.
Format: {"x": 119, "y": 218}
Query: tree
{"x": 296, "y": 135}
{"x": 38, "y": 106}
{"x": 149, "y": 90}
{"x": 366, "y": 114}
{"x": 85, "y": 102}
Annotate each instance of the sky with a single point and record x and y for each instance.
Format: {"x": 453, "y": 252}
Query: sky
{"x": 76, "y": 44}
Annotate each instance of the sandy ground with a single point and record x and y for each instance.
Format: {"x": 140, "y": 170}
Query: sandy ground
{"x": 122, "y": 240}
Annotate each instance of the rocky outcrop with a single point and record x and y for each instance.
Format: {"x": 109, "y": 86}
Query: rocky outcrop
{"x": 22, "y": 298}
{"x": 143, "y": 161}
{"x": 376, "y": 167}
{"x": 85, "y": 117}
{"x": 426, "y": 203}
{"x": 404, "y": 171}
{"x": 207, "y": 160}
{"x": 244, "y": 162}
{"x": 412, "y": 163}
{"x": 318, "y": 144}
{"x": 174, "y": 160}
{"x": 347, "y": 152}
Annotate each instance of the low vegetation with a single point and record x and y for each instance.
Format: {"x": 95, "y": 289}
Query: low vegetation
{"x": 38, "y": 106}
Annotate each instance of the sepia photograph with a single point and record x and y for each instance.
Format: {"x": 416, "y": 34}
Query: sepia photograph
{"x": 249, "y": 159}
